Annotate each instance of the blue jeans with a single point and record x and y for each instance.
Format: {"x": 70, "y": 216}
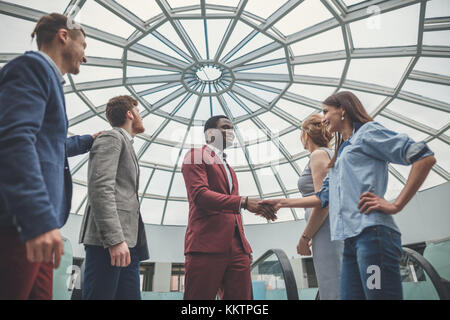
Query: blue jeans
{"x": 371, "y": 265}
{"x": 102, "y": 281}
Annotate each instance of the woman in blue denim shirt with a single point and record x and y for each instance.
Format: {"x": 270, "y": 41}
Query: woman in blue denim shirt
{"x": 354, "y": 191}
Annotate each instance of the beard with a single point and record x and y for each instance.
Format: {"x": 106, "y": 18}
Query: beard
{"x": 70, "y": 59}
{"x": 137, "y": 126}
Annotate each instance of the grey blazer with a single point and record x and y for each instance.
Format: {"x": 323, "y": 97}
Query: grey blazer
{"x": 112, "y": 212}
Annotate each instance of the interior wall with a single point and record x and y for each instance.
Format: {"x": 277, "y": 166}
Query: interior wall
{"x": 425, "y": 218}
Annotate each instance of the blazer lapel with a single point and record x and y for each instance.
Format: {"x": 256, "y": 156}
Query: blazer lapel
{"x": 233, "y": 178}
{"x": 133, "y": 156}
{"x": 222, "y": 167}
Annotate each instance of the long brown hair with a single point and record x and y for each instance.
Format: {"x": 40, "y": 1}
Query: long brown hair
{"x": 353, "y": 109}
{"x": 316, "y": 130}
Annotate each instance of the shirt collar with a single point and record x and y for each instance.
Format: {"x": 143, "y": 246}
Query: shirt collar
{"x": 220, "y": 153}
{"x": 356, "y": 127}
{"x": 127, "y": 135}
{"x": 54, "y": 66}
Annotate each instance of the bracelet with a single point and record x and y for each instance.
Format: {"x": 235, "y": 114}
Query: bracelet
{"x": 246, "y": 203}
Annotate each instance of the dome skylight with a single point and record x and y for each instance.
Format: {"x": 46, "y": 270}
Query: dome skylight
{"x": 267, "y": 67}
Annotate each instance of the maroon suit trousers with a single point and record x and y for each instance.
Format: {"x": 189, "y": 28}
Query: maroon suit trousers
{"x": 19, "y": 278}
{"x": 207, "y": 274}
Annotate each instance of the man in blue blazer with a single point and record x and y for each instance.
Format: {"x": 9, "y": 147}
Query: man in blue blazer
{"x": 35, "y": 180}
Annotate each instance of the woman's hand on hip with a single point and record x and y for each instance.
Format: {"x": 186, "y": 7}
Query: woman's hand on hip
{"x": 370, "y": 202}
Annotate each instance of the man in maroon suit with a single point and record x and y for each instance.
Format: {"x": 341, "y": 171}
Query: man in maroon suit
{"x": 218, "y": 255}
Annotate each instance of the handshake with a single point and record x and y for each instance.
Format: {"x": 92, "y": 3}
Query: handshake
{"x": 263, "y": 208}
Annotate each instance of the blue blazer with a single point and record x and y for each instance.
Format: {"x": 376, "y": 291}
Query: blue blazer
{"x": 35, "y": 180}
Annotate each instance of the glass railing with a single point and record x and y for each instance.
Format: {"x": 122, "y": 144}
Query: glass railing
{"x": 273, "y": 278}
{"x": 63, "y": 277}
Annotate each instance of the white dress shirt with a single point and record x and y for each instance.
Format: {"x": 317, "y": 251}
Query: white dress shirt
{"x": 219, "y": 154}
{"x": 128, "y": 135}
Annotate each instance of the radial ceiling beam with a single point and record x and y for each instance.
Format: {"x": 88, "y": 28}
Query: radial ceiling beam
{"x": 255, "y": 54}
{"x": 312, "y": 31}
{"x": 264, "y": 64}
{"x": 29, "y": 14}
{"x": 151, "y": 26}
{"x": 161, "y": 103}
{"x": 94, "y": 85}
{"x": 171, "y": 45}
{"x": 159, "y": 56}
{"x": 123, "y": 13}
{"x": 21, "y": 12}
{"x": 240, "y": 45}
{"x": 250, "y": 96}
{"x": 280, "y": 13}
{"x": 165, "y": 7}
{"x": 118, "y": 63}
{"x": 230, "y": 29}
{"x": 315, "y": 104}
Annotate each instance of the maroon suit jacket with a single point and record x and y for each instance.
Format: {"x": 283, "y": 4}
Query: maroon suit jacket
{"x": 213, "y": 211}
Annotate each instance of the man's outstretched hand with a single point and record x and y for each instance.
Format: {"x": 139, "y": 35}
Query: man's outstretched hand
{"x": 275, "y": 203}
{"x": 264, "y": 210}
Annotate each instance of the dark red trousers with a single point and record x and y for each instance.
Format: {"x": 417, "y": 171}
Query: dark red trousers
{"x": 206, "y": 274}
{"x": 19, "y": 278}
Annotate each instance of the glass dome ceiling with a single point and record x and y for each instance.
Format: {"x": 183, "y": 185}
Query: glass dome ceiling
{"x": 266, "y": 67}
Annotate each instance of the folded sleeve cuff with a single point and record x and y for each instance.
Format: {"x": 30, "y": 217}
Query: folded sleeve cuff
{"x": 323, "y": 196}
{"x": 112, "y": 239}
{"x": 417, "y": 151}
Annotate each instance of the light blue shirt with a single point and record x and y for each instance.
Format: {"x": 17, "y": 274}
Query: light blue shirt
{"x": 54, "y": 67}
{"x": 362, "y": 166}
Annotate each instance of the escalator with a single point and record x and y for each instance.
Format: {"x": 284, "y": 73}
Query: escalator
{"x": 273, "y": 278}
{"x": 420, "y": 280}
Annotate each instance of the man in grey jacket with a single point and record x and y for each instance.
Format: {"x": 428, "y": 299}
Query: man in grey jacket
{"x": 112, "y": 230}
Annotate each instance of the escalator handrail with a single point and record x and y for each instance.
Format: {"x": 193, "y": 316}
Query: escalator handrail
{"x": 286, "y": 268}
{"x": 436, "y": 279}
{"x": 432, "y": 273}
{"x": 77, "y": 292}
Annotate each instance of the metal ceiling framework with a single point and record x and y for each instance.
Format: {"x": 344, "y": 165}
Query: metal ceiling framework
{"x": 237, "y": 75}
